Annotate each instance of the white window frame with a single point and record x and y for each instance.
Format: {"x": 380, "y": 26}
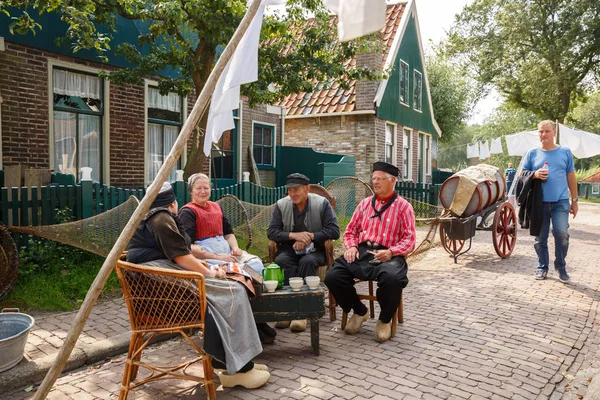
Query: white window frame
{"x": 595, "y": 188}
{"x": 418, "y": 90}
{"x": 409, "y": 132}
{"x": 262, "y": 166}
{"x": 105, "y": 150}
{"x": 148, "y": 83}
{"x": 428, "y": 142}
{"x": 407, "y": 86}
{"x": 394, "y": 151}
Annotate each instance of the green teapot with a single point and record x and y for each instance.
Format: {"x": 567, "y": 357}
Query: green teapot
{"x": 273, "y": 272}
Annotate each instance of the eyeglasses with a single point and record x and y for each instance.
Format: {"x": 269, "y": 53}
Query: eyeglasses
{"x": 379, "y": 179}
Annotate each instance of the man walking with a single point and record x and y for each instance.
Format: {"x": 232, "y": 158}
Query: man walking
{"x": 554, "y": 166}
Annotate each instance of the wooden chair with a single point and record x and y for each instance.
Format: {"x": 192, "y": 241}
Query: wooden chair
{"x": 322, "y": 270}
{"x": 371, "y": 297}
{"x": 162, "y": 301}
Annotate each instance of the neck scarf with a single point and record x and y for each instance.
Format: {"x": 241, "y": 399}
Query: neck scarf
{"x": 387, "y": 205}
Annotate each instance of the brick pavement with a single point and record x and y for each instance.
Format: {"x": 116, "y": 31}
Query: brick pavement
{"x": 108, "y": 318}
{"x": 479, "y": 329}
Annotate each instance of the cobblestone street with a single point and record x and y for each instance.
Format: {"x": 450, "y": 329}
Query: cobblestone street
{"x": 479, "y": 329}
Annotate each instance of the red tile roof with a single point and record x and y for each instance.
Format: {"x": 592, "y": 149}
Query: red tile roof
{"x": 593, "y": 178}
{"x": 335, "y": 99}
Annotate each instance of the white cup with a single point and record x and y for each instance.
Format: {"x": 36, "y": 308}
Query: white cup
{"x": 296, "y": 284}
{"x": 270, "y": 286}
{"x": 313, "y": 282}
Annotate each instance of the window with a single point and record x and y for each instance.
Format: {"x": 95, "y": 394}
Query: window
{"x": 164, "y": 123}
{"x": 418, "y": 91}
{"x": 427, "y": 151}
{"x": 224, "y": 156}
{"x": 263, "y": 140}
{"x": 595, "y": 188}
{"x": 406, "y": 154}
{"x": 390, "y": 144}
{"x": 77, "y": 121}
{"x": 403, "y": 82}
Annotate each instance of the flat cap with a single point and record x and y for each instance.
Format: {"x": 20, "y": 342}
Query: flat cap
{"x": 386, "y": 167}
{"x": 296, "y": 179}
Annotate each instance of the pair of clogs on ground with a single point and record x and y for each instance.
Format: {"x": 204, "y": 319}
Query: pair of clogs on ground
{"x": 255, "y": 378}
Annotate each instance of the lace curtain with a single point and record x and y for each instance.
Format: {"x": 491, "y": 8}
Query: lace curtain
{"x": 73, "y": 84}
{"x": 161, "y": 139}
{"x": 170, "y": 102}
{"x": 73, "y": 150}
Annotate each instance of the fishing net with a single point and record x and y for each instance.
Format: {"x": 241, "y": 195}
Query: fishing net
{"x": 96, "y": 234}
{"x": 9, "y": 261}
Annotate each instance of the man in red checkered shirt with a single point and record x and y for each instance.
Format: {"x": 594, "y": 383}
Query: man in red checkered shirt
{"x": 379, "y": 236}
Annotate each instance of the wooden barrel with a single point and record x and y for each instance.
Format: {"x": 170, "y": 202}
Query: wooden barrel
{"x": 485, "y": 194}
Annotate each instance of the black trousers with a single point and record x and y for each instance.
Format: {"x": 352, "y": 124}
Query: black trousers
{"x": 390, "y": 276}
{"x": 298, "y": 265}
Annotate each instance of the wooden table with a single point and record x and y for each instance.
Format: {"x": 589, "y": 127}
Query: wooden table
{"x": 287, "y": 305}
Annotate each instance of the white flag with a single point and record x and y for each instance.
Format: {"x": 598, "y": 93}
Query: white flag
{"x": 496, "y": 147}
{"x": 357, "y": 17}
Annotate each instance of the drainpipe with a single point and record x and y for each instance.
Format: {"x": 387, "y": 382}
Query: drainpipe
{"x": 282, "y": 125}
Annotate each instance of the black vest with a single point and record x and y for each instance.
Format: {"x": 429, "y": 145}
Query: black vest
{"x": 143, "y": 246}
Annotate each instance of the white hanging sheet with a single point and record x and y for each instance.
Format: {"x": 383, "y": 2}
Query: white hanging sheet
{"x": 582, "y": 144}
{"x": 518, "y": 144}
{"x": 496, "y": 147}
{"x": 357, "y": 18}
{"x": 484, "y": 151}
{"x": 473, "y": 150}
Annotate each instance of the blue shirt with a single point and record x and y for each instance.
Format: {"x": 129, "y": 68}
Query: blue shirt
{"x": 560, "y": 163}
{"x": 510, "y": 174}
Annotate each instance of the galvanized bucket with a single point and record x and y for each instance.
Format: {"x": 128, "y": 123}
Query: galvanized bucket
{"x": 14, "y": 329}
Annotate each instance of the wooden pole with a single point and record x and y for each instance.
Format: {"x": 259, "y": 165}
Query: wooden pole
{"x": 142, "y": 209}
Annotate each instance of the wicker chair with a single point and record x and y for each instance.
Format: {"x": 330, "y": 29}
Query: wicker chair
{"x": 162, "y": 301}
{"x": 322, "y": 270}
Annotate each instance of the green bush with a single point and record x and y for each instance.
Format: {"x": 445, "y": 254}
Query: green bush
{"x": 55, "y": 276}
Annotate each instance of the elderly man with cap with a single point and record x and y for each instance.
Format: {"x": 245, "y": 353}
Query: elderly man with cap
{"x": 301, "y": 223}
{"x": 379, "y": 236}
{"x": 230, "y": 334}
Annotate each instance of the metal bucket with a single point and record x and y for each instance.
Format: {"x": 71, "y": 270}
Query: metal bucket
{"x": 14, "y": 329}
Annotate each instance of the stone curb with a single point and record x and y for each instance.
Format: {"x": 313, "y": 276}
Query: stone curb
{"x": 33, "y": 372}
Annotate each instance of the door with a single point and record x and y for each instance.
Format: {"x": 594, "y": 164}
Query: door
{"x": 224, "y": 159}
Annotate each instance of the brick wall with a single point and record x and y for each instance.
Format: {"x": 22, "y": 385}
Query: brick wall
{"x": 357, "y": 135}
{"x": 258, "y": 114}
{"x": 24, "y": 90}
{"x": 366, "y": 90}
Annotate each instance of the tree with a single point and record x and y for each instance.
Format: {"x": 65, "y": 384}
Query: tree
{"x": 185, "y": 35}
{"x": 452, "y": 95}
{"x": 586, "y": 116}
{"x": 540, "y": 54}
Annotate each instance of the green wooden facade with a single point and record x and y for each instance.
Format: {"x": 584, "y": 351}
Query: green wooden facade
{"x": 390, "y": 108}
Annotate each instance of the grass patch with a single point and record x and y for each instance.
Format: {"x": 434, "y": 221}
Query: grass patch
{"x": 56, "y": 277}
{"x": 590, "y": 199}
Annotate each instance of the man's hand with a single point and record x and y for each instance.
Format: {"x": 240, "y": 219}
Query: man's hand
{"x": 574, "y": 208}
{"x": 304, "y": 237}
{"x": 383, "y": 255}
{"x": 236, "y": 251}
{"x": 351, "y": 254}
{"x": 541, "y": 173}
{"x": 299, "y": 246}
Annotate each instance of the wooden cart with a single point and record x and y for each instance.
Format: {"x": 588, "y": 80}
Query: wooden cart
{"x": 454, "y": 231}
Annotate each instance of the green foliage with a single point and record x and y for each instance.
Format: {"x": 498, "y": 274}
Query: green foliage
{"x": 56, "y": 277}
{"x": 453, "y": 95}
{"x": 539, "y": 54}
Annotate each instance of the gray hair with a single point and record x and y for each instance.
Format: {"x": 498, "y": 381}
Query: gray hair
{"x": 197, "y": 177}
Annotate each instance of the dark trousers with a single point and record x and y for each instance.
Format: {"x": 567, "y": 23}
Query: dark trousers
{"x": 298, "y": 265}
{"x": 390, "y": 276}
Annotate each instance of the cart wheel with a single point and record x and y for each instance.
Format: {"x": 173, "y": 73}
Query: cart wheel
{"x": 452, "y": 246}
{"x": 504, "y": 230}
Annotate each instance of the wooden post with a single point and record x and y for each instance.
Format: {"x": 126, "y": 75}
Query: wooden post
{"x": 142, "y": 209}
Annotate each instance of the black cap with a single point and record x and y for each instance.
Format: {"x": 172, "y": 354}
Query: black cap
{"x": 165, "y": 197}
{"x": 386, "y": 167}
{"x": 296, "y": 179}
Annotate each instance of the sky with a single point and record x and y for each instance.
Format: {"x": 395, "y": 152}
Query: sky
{"x": 435, "y": 19}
